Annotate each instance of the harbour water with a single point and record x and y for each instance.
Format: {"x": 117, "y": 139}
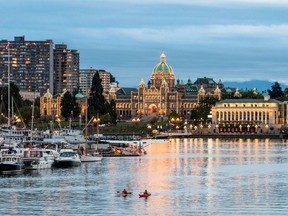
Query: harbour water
{"x": 185, "y": 177}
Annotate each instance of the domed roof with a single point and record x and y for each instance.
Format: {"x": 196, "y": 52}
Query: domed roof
{"x": 163, "y": 67}
{"x": 48, "y": 94}
{"x": 79, "y": 95}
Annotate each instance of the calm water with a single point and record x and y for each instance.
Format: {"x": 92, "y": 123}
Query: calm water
{"x": 185, "y": 177}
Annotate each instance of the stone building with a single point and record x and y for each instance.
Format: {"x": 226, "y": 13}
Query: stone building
{"x": 161, "y": 95}
{"x": 247, "y": 115}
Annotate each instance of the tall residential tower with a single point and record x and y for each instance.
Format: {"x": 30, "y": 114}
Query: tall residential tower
{"x": 31, "y": 64}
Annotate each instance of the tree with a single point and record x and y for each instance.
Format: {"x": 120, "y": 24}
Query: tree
{"x": 276, "y": 91}
{"x": 113, "y": 112}
{"x": 96, "y": 99}
{"x": 67, "y": 105}
{"x": 201, "y": 112}
{"x": 14, "y": 92}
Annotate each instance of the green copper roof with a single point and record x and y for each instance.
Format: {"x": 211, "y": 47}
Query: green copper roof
{"x": 163, "y": 67}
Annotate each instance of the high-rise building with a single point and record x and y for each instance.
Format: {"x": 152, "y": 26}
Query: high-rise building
{"x": 66, "y": 69}
{"x": 86, "y": 76}
{"x": 31, "y": 64}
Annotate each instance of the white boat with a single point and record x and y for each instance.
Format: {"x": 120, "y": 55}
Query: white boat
{"x": 11, "y": 163}
{"x": 72, "y": 136}
{"x": 36, "y": 159}
{"x": 91, "y": 158}
{"x": 67, "y": 158}
{"x": 14, "y": 136}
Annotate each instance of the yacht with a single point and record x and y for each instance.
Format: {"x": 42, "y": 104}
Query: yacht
{"x": 11, "y": 163}
{"x": 67, "y": 158}
{"x": 36, "y": 159}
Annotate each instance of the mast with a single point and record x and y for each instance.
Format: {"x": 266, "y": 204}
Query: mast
{"x": 32, "y": 118}
{"x": 86, "y": 117}
{"x": 9, "y": 93}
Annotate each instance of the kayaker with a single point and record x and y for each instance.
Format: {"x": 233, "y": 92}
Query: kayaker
{"x": 145, "y": 192}
{"x": 124, "y": 191}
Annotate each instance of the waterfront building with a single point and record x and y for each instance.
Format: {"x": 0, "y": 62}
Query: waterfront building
{"x": 31, "y": 64}
{"x": 66, "y": 69}
{"x": 161, "y": 95}
{"x": 248, "y": 115}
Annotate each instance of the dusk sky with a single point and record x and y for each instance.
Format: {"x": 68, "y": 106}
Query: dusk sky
{"x": 231, "y": 40}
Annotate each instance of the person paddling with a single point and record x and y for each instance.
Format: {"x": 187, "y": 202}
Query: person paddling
{"x": 124, "y": 191}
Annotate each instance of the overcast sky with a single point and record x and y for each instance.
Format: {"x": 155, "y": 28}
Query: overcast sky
{"x": 231, "y": 40}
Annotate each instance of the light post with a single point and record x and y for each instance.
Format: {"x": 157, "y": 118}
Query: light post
{"x": 240, "y": 127}
{"x": 201, "y": 127}
{"x": 195, "y": 127}
{"x": 248, "y": 127}
{"x": 217, "y": 128}
{"x": 209, "y": 127}
{"x": 96, "y": 121}
{"x": 58, "y": 120}
{"x": 256, "y": 127}
{"x": 266, "y": 126}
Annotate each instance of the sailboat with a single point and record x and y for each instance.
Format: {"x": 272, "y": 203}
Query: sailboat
{"x": 95, "y": 156}
{"x": 10, "y": 161}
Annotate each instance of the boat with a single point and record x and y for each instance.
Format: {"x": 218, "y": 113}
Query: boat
{"x": 36, "y": 159}
{"x": 121, "y": 193}
{"x": 91, "y": 158}
{"x": 67, "y": 158}
{"x": 11, "y": 163}
{"x": 144, "y": 195}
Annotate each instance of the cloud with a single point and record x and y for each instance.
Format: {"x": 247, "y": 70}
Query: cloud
{"x": 270, "y": 3}
{"x": 184, "y": 34}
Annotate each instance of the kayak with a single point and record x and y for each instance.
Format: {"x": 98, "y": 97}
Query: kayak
{"x": 144, "y": 195}
{"x": 120, "y": 193}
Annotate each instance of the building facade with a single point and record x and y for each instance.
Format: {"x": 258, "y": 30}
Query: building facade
{"x": 66, "y": 69}
{"x": 161, "y": 95}
{"x": 247, "y": 115}
{"x": 31, "y": 64}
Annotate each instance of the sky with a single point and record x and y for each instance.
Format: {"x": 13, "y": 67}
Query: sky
{"x": 231, "y": 40}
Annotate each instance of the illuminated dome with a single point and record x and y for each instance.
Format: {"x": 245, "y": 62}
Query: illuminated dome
{"x": 48, "y": 94}
{"x": 163, "y": 67}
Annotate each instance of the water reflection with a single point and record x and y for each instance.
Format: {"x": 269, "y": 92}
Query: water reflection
{"x": 185, "y": 177}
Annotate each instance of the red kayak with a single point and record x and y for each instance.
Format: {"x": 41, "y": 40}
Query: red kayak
{"x": 144, "y": 195}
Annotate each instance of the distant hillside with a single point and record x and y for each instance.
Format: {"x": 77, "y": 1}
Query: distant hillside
{"x": 260, "y": 85}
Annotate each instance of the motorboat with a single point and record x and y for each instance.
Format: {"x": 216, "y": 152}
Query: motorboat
{"x": 67, "y": 158}
{"x": 11, "y": 163}
{"x": 36, "y": 159}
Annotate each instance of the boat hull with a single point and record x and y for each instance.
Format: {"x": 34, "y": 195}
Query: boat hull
{"x": 11, "y": 169}
{"x": 90, "y": 158}
{"x": 67, "y": 163}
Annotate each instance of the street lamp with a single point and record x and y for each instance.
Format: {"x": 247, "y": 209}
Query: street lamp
{"x": 248, "y": 127}
{"x": 240, "y": 127}
{"x": 96, "y": 121}
{"x": 266, "y": 126}
{"x": 58, "y": 120}
{"x": 217, "y": 128}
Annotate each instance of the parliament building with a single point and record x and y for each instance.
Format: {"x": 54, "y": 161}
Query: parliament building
{"x": 162, "y": 94}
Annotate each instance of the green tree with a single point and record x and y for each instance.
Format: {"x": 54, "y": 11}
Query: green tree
{"x": 15, "y": 95}
{"x": 97, "y": 103}
{"x": 113, "y": 112}
{"x": 67, "y": 105}
{"x": 276, "y": 91}
{"x": 76, "y": 108}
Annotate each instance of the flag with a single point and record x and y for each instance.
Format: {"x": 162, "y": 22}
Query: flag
{"x": 8, "y": 46}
